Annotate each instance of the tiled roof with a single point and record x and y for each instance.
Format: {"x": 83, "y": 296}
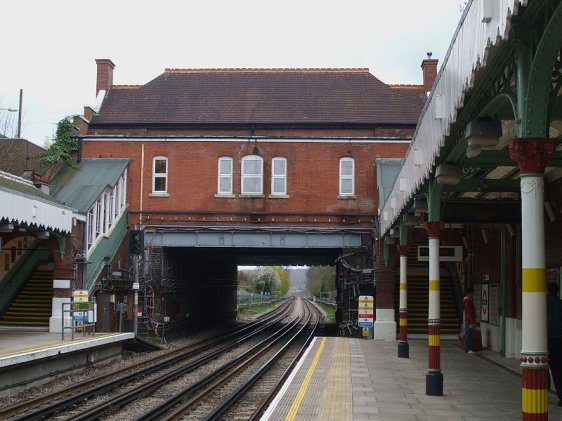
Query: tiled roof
{"x": 258, "y": 96}
{"x": 413, "y": 93}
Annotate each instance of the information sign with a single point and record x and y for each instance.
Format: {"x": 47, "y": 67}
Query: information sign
{"x": 79, "y": 296}
{"x": 485, "y": 303}
{"x": 365, "y": 311}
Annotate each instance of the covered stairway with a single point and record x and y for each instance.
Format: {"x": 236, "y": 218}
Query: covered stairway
{"x": 418, "y": 296}
{"x": 32, "y": 304}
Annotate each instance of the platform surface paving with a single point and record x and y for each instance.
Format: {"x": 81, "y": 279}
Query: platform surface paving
{"x": 356, "y": 379}
{"x": 21, "y": 347}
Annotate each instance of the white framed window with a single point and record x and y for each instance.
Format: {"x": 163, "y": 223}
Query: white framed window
{"x": 116, "y": 205}
{"x": 123, "y": 190}
{"x": 279, "y": 176}
{"x": 90, "y": 228}
{"x": 252, "y": 174}
{"x": 99, "y": 216}
{"x": 108, "y": 211}
{"x": 160, "y": 175}
{"x": 105, "y": 212}
{"x": 347, "y": 176}
{"x": 225, "y": 175}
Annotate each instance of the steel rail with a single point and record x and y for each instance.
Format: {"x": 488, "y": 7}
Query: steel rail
{"x": 128, "y": 397}
{"x": 235, "y": 396}
{"x": 239, "y": 361}
{"x": 239, "y": 391}
{"x": 88, "y": 389}
{"x": 262, "y": 406}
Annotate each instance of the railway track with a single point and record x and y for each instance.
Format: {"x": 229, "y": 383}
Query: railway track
{"x": 55, "y": 405}
{"x": 240, "y": 389}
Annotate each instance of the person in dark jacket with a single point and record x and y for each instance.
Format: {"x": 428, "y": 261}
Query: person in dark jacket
{"x": 554, "y": 323}
{"x": 469, "y": 320}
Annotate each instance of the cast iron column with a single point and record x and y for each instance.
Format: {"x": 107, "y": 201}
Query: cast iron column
{"x": 531, "y": 155}
{"x": 403, "y": 346}
{"x": 434, "y": 377}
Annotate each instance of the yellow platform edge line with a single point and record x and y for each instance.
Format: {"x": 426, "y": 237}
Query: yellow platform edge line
{"x": 304, "y": 387}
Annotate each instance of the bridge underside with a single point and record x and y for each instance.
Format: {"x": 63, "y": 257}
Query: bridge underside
{"x": 266, "y": 246}
{"x": 193, "y": 275}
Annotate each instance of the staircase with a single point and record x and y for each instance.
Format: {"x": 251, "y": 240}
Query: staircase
{"x": 418, "y": 297}
{"x": 32, "y": 306}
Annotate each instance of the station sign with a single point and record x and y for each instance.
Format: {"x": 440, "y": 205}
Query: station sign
{"x": 79, "y": 296}
{"x": 446, "y": 253}
{"x": 365, "y": 311}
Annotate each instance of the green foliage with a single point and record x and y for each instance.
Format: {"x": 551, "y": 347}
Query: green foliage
{"x": 270, "y": 279}
{"x": 329, "y": 310}
{"x": 284, "y": 282}
{"x": 259, "y": 309}
{"x": 321, "y": 280}
{"x": 64, "y": 143}
{"x": 267, "y": 280}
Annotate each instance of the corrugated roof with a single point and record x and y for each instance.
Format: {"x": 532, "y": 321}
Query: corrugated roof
{"x": 258, "y": 96}
{"x": 80, "y": 186}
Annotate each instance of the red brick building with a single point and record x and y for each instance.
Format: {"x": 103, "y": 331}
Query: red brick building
{"x": 251, "y": 150}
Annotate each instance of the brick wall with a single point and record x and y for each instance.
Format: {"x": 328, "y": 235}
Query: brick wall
{"x": 312, "y": 174}
{"x": 19, "y": 155}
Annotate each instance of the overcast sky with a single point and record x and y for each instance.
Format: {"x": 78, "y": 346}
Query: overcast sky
{"x": 49, "y": 47}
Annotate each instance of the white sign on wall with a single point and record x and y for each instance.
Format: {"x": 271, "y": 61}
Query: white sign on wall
{"x": 485, "y": 307}
{"x": 446, "y": 253}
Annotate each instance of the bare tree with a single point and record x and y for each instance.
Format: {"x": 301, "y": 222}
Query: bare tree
{"x": 8, "y": 121}
{"x": 14, "y": 153}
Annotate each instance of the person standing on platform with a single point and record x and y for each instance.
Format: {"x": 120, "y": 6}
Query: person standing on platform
{"x": 554, "y": 323}
{"x": 469, "y": 320}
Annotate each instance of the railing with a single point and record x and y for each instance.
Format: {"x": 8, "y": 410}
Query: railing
{"x": 107, "y": 246}
{"x": 20, "y": 272}
{"x": 256, "y": 300}
{"x": 81, "y": 317}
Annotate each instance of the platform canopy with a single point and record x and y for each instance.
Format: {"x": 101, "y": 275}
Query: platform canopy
{"x": 21, "y": 203}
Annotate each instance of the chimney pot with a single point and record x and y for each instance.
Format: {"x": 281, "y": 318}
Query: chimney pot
{"x": 104, "y": 74}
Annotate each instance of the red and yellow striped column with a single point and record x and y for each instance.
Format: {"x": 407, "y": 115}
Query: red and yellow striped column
{"x": 403, "y": 346}
{"x": 531, "y": 155}
{"x": 434, "y": 377}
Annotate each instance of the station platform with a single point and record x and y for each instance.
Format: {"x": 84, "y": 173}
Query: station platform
{"x": 357, "y": 379}
{"x": 29, "y": 358}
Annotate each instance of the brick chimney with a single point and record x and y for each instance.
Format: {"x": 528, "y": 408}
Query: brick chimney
{"x": 105, "y": 74}
{"x": 429, "y": 68}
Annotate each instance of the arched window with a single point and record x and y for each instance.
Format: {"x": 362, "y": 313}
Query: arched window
{"x": 347, "y": 176}
{"x": 160, "y": 175}
{"x": 252, "y": 175}
{"x": 279, "y": 176}
{"x": 225, "y": 175}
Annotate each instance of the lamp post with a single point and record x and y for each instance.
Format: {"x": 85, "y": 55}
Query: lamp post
{"x": 19, "y": 114}
{"x": 12, "y": 110}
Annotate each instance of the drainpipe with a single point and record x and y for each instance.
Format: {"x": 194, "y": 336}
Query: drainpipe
{"x": 141, "y": 180}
